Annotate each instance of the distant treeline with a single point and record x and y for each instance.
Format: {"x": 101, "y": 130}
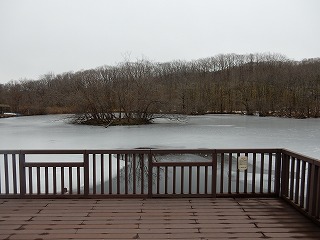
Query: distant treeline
{"x": 132, "y": 92}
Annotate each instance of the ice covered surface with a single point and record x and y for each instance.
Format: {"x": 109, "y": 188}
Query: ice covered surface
{"x": 209, "y": 131}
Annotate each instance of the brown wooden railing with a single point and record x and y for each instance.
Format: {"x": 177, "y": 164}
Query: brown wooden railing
{"x": 300, "y": 183}
{"x": 162, "y": 173}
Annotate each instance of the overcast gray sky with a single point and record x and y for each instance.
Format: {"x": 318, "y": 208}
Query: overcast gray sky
{"x": 37, "y": 36}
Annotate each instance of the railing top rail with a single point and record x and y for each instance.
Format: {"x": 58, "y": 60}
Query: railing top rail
{"x": 119, "y": 151}
{"x": 163, "y": 151}
{"x": 75, "y": 151}
{"x": 53, "y": 151}
{"x": 182, "y": 151}
{"x": 43, "y": 151}
{"x": 302, "y": 157}
{"x": 207, "y": 150}
{"x": 186, "y": 164}
{"x": 249, "y": 150}
{"x": 10, "y": 151}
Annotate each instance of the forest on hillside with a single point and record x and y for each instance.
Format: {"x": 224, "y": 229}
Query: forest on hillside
{"x": 132, "y": 92}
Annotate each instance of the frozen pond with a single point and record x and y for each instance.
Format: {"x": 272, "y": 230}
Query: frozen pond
{"x": 209, "y": 131}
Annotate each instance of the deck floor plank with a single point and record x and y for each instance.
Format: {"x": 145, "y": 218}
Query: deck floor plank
{"x": 186, "y": 218}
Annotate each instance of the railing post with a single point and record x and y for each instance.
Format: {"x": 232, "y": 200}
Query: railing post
{"x": 313, "y": 190}
{"x": 317, "y": 197}
{"x": 150, "y": 175}
{"x": 86, "y": 173}
{"x": 278, "y": 173}
{"x": 22, "y": 173}
{"x": 285, "y": 175}
{"x": 214, "y": 174}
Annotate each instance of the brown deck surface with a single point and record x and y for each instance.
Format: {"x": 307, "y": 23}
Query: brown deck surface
{"x": 194, "y": 218}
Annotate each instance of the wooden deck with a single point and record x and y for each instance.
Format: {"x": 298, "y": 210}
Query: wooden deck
{"x": 191, "y": 218}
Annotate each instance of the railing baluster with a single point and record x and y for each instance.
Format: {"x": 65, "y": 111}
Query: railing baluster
{"x": 134, "y": 174}
{"x": 62, "y": 181}
{"x": 303, "y": 182}
{"x": 317, "y": 201}
{"x": 222, "y": 173}
{"x": 230, "y": 174}
{"x": 261, "y": 172}
{"x": 54, "y": 180}
{"x": 38, "y": 181}
{"x": 190, "y": 179}
{"x": 0, "y": 180}
{"x": 296, "y": 194}
{"x": 174, "y": 180}
{"x": 14, "y": 171}
{"x": 78, "y": 180}
{"x": 150, "y": 174}
{"x": 182, "y": 180}
{"x": 94, "y": 174}
{"x": 86, "y": 169}
{"x": 214, "y": 175}
{"x": 6, "y": 173}
{"x": 142, "y": 173}
{"x": 70, "y": 180}
{"x": 110, "y": 173}
{"x": 285, "y": 175}
{"x": 292, "y": 178}
{"x": 102, "y": 173}
{"x": 166, "y": 180}
{"x": 238, "y": 176}
{"x": 46, "y": 180}
{"x": 309, "y": 166}
{"x": 313, "y": 189}
{"x": 158, "y": 179}
{"x": 118, "y": 173}
{"x": 30, "y": 180}
{"x": 269, "y": 172}
{"x": 126, "y": 174}
{"x": 206, "y": 180}
{"x": 277, "y": 173}
{"x": 254, "y": 163}
{"x": 22, "y": 172}
{"x": 245, "y": 187}
{"x": 198, "y": 179}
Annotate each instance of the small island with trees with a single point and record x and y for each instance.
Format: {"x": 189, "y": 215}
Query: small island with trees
{"x": 134, "y": 92}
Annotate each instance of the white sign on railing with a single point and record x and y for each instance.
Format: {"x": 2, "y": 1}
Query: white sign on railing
{"x": 242, "y": 163}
